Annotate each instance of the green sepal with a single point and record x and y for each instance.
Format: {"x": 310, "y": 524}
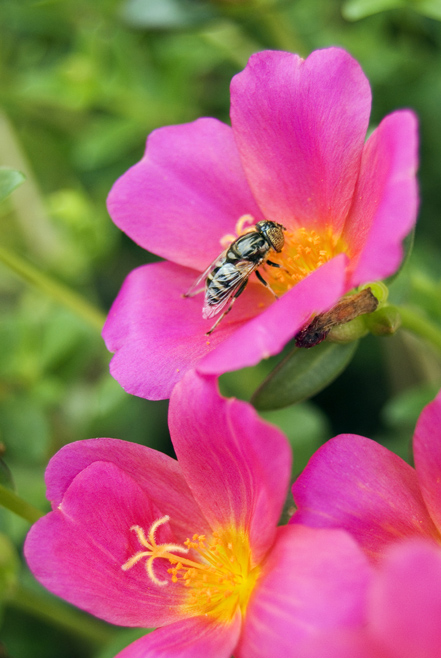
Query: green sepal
{"x": 10, "y": 179}
{"x": 303, "y": 373}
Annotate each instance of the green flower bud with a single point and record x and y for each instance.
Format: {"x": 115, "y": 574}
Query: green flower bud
{"x": 384, "y": 322}
{"x": 348, "y": 332}
{"x": 379, "y": 290}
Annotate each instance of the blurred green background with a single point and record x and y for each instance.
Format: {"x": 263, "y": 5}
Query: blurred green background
{"x": 81, "y": 86}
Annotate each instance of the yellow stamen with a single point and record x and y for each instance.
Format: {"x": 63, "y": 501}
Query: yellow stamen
{"x": 303, "y": 252}
{"x": 217, "y": 579}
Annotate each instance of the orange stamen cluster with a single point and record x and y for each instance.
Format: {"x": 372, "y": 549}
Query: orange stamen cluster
{"x": 221, "y": 579}
{"x": 218, "y": 577}
{"x": 303, "y": 252}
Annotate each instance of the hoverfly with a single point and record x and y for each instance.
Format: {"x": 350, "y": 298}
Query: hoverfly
{"x": 227, "y": 276}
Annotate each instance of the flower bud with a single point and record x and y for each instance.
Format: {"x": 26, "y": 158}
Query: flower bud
{"x": 379, "y": 290}
{"x": 384, "y": 322}
{"x": 348, "y": 332}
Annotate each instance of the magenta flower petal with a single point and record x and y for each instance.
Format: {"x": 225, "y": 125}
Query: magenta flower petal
{"x": 427, "y": 454}
{"x": 159, "y": 476}
{"x": 312, "y": 580}
{"x": 250, "y": 497}
{"x": 77, "y": 551}
{"x": 354, "y": 483}
{"x": 190, "y": 638}
{"x": 269, "y": 332}
{"x": 157, "y": 335}
{"x": 406, "y": 602}
{"x": 342, "y": 644}
{"x": 185, "y": 194}
{"x": 385, "y": 200}
{"x": 404, "y": 611}
{"x": 300, "y": 127}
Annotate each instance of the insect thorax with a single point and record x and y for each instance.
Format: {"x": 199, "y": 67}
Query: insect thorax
{"x": 251, "y": 247}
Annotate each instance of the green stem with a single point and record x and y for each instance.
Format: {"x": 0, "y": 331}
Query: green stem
{"x": 59, "y": 614}
{"x": 15, "y": 504}
{"x": 412, "y": 320}
{"x": 57, "y": 291}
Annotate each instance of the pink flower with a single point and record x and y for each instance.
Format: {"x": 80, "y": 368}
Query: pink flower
{"x": 356, "y": 484}
{"x": 295, "y": 155}
{"x": 140, "y": 539}
{"x": 404, "y": 611}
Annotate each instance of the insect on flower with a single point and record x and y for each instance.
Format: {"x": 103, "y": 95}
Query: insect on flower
{"x": 227, "y": 276}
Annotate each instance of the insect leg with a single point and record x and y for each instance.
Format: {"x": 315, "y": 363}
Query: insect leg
{"x": 192, "y": 293}
{"x": 262, "y": 280}
{"x": 270, "y": 262}
{"x": 233, "y": 299}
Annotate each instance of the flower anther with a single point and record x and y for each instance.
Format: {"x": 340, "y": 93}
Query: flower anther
{"x": 303, "y": 252}
{"x": 219, "y": 577}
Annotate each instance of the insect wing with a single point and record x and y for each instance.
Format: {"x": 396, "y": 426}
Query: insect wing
{"x": 199, "y": 285}
{"x": 225, "y": 285}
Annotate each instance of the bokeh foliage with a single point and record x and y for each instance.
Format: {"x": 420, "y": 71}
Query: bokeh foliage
{"x": 81, "y": 85}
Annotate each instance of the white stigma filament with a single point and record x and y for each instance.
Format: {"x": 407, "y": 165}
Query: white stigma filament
{"x": 153, "y": 551}
{"x": 243, "y": 225}
{"x": 218, "y": 579}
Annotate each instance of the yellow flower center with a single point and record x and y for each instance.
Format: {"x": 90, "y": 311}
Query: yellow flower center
{"x": 303, "y": 252}
{"x": 217, "y": 574}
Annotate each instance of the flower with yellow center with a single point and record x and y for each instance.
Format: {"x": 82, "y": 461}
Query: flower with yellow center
{"x": 217, "y": 575}
{"x": 295, "y": 155}
{"x": 192, "y": 546}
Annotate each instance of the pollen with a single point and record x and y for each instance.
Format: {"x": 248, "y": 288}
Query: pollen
{"x": 304, "y": 251}
{"x": 214, "y": 572}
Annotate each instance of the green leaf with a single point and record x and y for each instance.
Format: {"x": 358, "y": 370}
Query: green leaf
{"x": 404, "y": 409}
{"x": 431, "y": 8}
{"x": 10, "y": 179}
{"x": 303, "y": 373}
{"x": 306, "y": 428}
{"x": 353, "y": 10}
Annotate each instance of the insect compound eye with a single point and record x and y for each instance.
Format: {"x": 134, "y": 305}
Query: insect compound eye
{"x": 275, "y": 237}
{"x": 273, "y": 233}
